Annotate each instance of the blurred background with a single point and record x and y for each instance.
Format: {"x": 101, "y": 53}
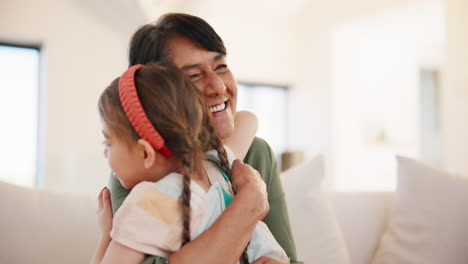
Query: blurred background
{"x": 356, "y": 81}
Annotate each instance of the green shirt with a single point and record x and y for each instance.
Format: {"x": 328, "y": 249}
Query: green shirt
{"x": 261, "y": 158}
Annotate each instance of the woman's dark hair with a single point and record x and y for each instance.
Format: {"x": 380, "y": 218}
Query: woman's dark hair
{"x": 150, "y": 42}
{"x": 177, "y": 110}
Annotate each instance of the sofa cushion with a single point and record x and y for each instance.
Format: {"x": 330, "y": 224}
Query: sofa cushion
{"x": 429, "y": 220}
{"x": 315, "y": 229}
{"x": 45, "y": 227}
{"x": 362, "y": 217}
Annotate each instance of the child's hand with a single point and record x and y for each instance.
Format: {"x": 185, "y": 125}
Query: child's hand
{"x": 104, "y": 212}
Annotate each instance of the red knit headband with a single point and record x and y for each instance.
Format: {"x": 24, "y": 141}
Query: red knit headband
{"x": 135, "y": 113}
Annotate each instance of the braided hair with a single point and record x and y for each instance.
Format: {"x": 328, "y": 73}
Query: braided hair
{"x": 216, "y": 144}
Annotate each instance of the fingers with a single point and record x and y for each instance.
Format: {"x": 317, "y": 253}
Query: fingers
{"x": 106, "y": 198}
{"x": 237, "y": 161}
{"x": 247, "y": 182}
{"x": 103, "y": 198}
{"x": 99, "y": 198}
{"x": 243, "y": 173}
{"x": 240, "y": 168}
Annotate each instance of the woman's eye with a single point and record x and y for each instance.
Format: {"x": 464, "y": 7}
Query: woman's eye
{"x": 222, "y": 68}
{"x": 195, "y": 77}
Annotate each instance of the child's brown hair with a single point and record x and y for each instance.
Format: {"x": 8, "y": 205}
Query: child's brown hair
{"x": 177, "y": 110}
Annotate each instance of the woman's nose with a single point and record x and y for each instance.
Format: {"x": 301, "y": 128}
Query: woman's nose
{"x": 215, "y": 85}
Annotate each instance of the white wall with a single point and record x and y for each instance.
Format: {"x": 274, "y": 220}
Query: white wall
{"x": 81, "y": 55}
{"x": 311, "y": 98}
{"x": 269, "y": 42}
{"x": 376, "y": 95}
{"x": 259, "y": 49}
{"x": 455, "y": 89}
{"x": 274, "y": 42}
{"x": 287, "y": 44}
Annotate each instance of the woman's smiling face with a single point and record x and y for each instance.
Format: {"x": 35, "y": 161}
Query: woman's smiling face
{"x": 211, "y": 75}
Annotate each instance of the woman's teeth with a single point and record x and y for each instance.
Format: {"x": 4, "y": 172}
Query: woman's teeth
{"x": 218, "y": 108}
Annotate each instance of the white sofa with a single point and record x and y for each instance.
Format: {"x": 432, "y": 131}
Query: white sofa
{"x": 423, "y": 221}
{"x": 46, "y": 227}
{"x": 362, "y": 217}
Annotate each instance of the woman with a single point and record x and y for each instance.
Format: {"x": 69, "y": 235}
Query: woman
{"x": 193, "y": 46}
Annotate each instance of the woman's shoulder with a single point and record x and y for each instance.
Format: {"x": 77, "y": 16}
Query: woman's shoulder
{"x": 262, "y": 158}
{"x": 259, "y": 148}
{"x": 260, "y": 152}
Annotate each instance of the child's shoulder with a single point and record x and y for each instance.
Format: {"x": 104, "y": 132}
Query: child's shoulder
{"x": 170, "y": 185}
{"x": 213, "y": 154}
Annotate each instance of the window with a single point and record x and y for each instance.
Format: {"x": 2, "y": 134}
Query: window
{"x": 19, "y": 89}
{"x": 269, "y": 103}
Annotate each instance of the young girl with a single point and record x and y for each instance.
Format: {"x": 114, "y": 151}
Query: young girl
{"x": 160, "y": 143}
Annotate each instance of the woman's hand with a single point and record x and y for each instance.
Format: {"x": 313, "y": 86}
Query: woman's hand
{"x": 104, "y": 213}
{"x": 250, "y": 187}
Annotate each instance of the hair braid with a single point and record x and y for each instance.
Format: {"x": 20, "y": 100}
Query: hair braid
{"x": 244, "y": 259}
{"x": 215, "y": 143}
{"x": 186, "y": 196}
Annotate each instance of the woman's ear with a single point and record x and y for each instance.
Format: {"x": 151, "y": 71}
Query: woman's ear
{"x": 149, "y": 154}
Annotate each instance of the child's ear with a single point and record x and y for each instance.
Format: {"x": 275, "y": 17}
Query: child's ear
{"x": 149, "y": 155}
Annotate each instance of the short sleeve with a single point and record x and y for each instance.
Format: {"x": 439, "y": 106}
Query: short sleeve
{"x": 147, "y": 220}
{"x": 150, "y": 218}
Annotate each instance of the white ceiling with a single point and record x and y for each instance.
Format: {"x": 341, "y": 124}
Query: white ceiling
{"x": 269, "y": 10}
{"x": 126, "y": 15}
{"x": 231, "y": 9}
{"x": 123, "y": 16}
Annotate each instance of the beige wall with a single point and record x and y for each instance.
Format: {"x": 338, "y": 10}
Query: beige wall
{"x": 292, "y": 47}
{"x": 377, "y": 92}
{"x": 289, "y": 46}
{"x": 455, "y": 89}
{"x": 81, "y": 55}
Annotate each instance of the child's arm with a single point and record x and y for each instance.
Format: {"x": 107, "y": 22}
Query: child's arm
{"x": 118, "y": 253}
{"x": 101, "y": 250}
{"x": 245, "y": 128}
{"x": 109, "y": 251}
{"x": 104, "y": 214}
